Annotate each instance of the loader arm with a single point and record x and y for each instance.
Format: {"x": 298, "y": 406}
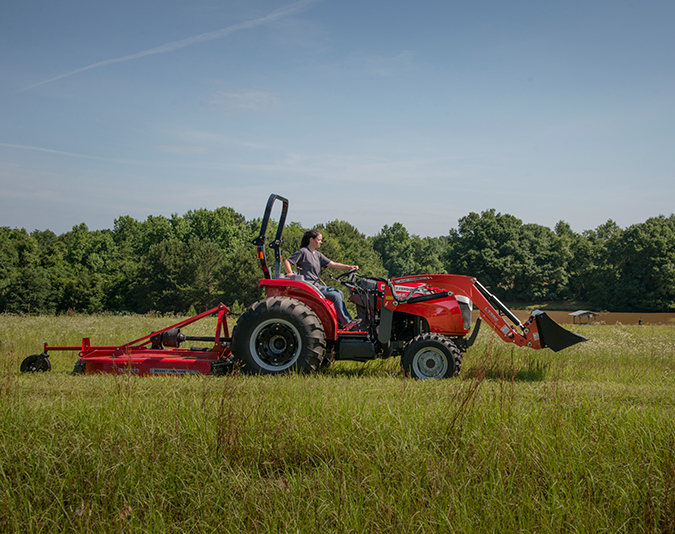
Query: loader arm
{"x": 538, "y": 332}
{"x": 490, "y": 307}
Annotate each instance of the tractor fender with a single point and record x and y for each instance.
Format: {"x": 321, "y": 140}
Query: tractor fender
{"x": 309, "y": 295}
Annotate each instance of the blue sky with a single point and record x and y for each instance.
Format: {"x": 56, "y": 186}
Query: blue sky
{"x": 372, "y": 112}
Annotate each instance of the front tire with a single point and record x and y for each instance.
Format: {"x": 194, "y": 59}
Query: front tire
{"x": 431, "y": 356}
{"x": 278, "y": 335}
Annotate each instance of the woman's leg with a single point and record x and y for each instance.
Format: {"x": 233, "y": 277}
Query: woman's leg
{"x": 338, "y": 299}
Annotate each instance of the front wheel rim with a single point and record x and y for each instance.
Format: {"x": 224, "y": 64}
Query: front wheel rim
{"x": 430, "y": 362}
{"x": 275, "y": 345}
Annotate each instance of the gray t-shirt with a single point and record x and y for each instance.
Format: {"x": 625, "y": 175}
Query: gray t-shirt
{"x": 309, "y": 264}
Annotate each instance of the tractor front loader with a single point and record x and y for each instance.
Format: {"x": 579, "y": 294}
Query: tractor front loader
{"x": 425, "y": 319}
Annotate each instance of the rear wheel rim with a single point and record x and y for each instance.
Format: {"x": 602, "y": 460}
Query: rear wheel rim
{"x": 275, "y": 345}
{"x": 430, "y": 362}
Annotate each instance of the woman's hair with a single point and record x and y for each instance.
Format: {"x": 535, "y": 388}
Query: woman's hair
{"x": 309, "y": 234}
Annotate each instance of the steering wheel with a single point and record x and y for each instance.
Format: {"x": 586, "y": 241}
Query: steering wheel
{"x": 349, "y": 275}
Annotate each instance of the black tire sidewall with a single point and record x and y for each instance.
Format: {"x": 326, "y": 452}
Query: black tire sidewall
{"x": 36, "y": 363}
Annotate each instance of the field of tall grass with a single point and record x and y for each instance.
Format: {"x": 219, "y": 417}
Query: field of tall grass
{"x": 577, "y": 441}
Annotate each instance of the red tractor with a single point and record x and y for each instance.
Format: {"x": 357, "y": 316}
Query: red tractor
{"x": 426, "y": 319}
{"x": 423, "y": 318}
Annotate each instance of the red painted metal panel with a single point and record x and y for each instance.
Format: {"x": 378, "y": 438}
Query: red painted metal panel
{"x": 307, "y": 294}
{"x": 145, "y": 364}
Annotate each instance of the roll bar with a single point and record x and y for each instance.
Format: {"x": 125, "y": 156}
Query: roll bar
{"x": 259, "y": 241}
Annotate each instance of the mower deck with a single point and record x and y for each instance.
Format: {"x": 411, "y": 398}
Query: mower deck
{"x": 163, "y": 356}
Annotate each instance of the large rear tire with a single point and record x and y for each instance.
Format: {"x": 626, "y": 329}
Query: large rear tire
{"x": 431, "y": 356}
{"x": 278, "y": 335}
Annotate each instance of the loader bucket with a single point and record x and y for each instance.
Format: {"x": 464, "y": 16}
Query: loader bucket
{"x": 554, "y": 336}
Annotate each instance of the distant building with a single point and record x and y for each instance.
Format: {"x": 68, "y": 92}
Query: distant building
{"x": 589, "y": 316}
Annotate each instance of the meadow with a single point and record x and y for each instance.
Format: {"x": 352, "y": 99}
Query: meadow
{"x": 535, "y": 441}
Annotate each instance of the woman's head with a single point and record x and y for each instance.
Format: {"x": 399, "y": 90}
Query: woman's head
{"x": 309, "y": 234}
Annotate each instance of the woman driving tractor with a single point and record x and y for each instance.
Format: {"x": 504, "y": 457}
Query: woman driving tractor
{"x": 309, "y": 262}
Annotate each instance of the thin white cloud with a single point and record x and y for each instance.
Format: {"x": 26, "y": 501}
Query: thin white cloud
{"x": 372, "y": 65}
{"x": 75, "y": 155}
{"x": 214, "y": 140}
{"x": 182, "y": 150}
{"x": 241, "y": 101}
{"x": 48, "y": 150}
{"x": 291, "y": 9}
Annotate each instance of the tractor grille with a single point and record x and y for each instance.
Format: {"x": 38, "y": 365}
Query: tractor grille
{"x": 466, "y": 306}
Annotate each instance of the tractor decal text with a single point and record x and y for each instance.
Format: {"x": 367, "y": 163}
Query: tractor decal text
{"x": 403, "y": 289}
{"x": 413, "y": 279}
{"x": 492, "y": 315}
{"x": 408, "y": 289}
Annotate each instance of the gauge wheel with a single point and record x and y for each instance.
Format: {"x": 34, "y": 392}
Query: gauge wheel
{"x": 37, "y": 363}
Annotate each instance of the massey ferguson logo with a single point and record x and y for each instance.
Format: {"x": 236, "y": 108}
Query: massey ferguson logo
{"x": 408, "y": 289}
{"x": 402, "y": 289}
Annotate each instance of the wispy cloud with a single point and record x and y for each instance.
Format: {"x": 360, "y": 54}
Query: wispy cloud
{"x": 215, "y": 141}
{"x": 75, "y": 155}
{"x": 240, "y": 101}
{"x": 7, "y": 164}
{"x": 372, "y": 65}
{"x": 182, "y": 150}
{"x": 291, "y": 9}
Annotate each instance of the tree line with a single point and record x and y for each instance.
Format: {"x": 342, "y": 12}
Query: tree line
{"x": 189, "y": 263}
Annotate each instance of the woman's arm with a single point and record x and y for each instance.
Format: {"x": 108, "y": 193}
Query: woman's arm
{"x": 341, "y": 266}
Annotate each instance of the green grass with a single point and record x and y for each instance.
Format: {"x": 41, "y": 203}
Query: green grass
{"x": 582, "y": 440}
